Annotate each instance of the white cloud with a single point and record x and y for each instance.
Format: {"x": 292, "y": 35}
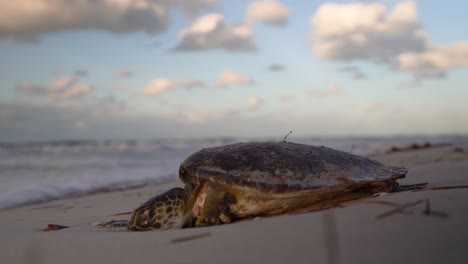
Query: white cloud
{"x": 213, "y": 32}
{"x": 269, "y": 12}
{"x": 226, "y": 79}
{"x": 65, "y": 87}
{"x": 366, "y": 31}
{"x": 26, "y": 20}
{"x": 161, "y": 85}
{"x": 231, "y": 78}
{"x": 158, "y": 86}
{"x": 330, "y": 90}
{"x": 435, "y": 61}
{"x": 369, "y": 31}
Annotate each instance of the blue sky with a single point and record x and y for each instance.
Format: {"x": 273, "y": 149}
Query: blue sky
{"x": 205, "y": 68}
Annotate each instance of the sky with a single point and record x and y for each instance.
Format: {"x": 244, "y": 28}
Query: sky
{"x": 148, "y": 69}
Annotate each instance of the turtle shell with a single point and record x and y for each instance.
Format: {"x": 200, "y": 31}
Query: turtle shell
{"x": 283, "y": 166}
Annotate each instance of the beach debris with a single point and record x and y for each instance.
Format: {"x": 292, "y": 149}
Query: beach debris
{"x": 400, "y": 209}
{"x": 412, "y": 187}
{"x": 53, "y": 227}
{"x": 459, "y": 150}
{"x": 244, "y": 180}
{"x": 428, "y": 211}
{"x": 416, "y": 146}
{"x": 191, "y": 237}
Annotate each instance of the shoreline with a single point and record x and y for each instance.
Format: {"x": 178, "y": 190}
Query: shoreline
{"x": 118, "y": 187}
{"x": 427, "y": 226}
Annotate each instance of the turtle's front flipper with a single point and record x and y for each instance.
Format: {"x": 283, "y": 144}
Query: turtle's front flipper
{"x": 215, "y": 208}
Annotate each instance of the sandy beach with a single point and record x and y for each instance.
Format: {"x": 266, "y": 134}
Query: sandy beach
{"x": 425, "y": 226}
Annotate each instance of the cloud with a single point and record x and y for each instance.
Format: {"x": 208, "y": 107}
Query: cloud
{"x": 226, "y": 79}
{"x": 65, "y": 87}
{"x": 192, "y": 7}
{"x": 189, "y": 116}
{"x": 231, "y": 78}
{"x": 276, "y": 67}
{"x": 193, "y": 117}
{"x": 81, "y": 73}
{"x": 435, "y": 61}
{"x": 213, "y": 32}
{"x": 124, "y": 73}
{"x": 26, "y": 20}
{"x": 368, "y": 31}
{"x": 90, "y": 118}
{"x": 330, "y": 90}
{"x": 162, "y": 85}
{"x": 269, "y": 12}
{"x": 354, "y": 71}
{"x": 158, "y": 86}
{"x": 254, "y": 102}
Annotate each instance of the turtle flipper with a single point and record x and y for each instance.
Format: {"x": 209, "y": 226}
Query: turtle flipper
{"x": 215, "y": 207}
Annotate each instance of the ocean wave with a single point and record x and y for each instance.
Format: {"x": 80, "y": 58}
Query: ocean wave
{"x": 41, "y": 193}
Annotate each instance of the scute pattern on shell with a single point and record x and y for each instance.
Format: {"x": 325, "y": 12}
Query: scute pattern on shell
{"x": 283, "y": 166}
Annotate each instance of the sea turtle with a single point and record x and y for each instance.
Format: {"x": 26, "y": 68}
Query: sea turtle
{"x": 243, "y": 180}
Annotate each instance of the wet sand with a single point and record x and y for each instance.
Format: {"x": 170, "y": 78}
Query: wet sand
{"x": 426, "y": 226}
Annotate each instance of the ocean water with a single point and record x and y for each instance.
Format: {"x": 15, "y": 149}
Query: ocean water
{"x": 36, "y": 172}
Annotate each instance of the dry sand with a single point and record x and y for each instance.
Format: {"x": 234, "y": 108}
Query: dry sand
{"x": 393, "y": 228}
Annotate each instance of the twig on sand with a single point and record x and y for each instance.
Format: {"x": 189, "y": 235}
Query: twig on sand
{"x": 372, "y": 202}
{"x": 123, "y": 213}
{"x": 449, "y": 187}
{"x": 399, "y": 209}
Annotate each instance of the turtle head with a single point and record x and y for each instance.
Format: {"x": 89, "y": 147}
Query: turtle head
{"x": 164, "y": 211}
